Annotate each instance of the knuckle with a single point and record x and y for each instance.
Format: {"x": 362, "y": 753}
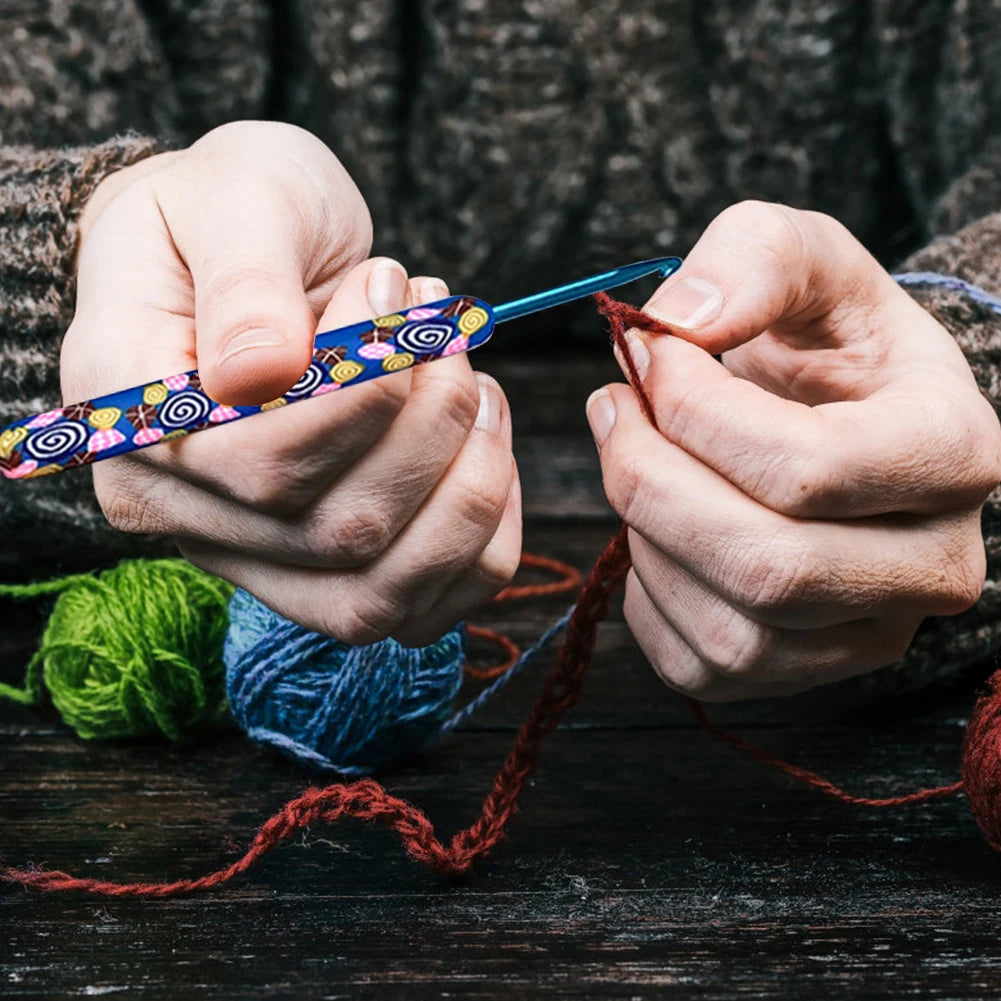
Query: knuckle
{"x": 127, "y": 506}
{"x": 799, "y": 486}
{"x": 458, "y": 401}
{"x": 626, "y": 487}
{"x": 265, "y": 489}
{"x": 736, "y": 647}
{"x": 232, "y": 279}
{"x": 774, "y": 575}
{"x": 498, "y": 568}
{"x": 777, "y": 229}
{"x": 986, "y": 467}
{"x": 365, "y": 620}
{"x": 481, "y": 498}
{"x": 963, "y": 582}
{"x": 495, "y": 568}
{"x": 354, "y": 538}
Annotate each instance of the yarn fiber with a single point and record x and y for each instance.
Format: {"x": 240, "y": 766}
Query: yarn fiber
{"x": 133, "y": 650}
{"x": 982, "y": 762}
{"x": 336, "y": 707}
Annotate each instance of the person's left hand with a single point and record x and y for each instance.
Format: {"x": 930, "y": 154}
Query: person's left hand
{"x": 808, "y": 502}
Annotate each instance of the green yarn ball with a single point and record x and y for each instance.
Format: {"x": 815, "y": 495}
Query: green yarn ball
{"x": 134, "y": 650}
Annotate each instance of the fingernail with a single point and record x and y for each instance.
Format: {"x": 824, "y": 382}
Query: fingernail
{"x": 431, "y": 290}
{"x": 689, "y": 303}
{"x": 600, "y": 414}
{"x": 488, "y": 417}
{"x": 639, "y": 352}
{"x": 249, "y": 340}
{"x": 387, "y": 287}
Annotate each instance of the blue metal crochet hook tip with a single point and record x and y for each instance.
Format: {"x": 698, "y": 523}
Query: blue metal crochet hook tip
{"x": 584, "y": 287}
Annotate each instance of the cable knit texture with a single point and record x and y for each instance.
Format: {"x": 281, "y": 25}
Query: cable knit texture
{"x": 508, "y": 145}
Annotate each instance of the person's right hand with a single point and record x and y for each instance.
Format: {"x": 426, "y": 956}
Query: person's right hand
{"x": 390, "y": 508}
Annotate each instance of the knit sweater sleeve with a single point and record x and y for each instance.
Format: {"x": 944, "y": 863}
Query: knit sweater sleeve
{"x": 85, "y": 90}
{"x": 944, "y": 646}
{"x": 42, "y": 193}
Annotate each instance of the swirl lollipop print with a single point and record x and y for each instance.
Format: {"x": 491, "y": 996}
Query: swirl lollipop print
{"x": 174, "y": 406}
{"x": 420, "y": 337}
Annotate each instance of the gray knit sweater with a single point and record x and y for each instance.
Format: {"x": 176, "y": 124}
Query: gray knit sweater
{"x": 503, "y": 144}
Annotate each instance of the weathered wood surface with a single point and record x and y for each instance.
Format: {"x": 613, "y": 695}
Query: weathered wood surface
{"x": 648, "y": 861}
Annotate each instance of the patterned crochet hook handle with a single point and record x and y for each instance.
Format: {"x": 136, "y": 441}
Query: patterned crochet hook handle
{"x": 177, "y": 406}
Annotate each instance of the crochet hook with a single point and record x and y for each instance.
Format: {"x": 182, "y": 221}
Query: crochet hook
{"x": 175, "y": 406}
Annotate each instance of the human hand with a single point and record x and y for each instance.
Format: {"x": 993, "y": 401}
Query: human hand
{"x": 390, "y": 508}
{"x": 806, "y": 503}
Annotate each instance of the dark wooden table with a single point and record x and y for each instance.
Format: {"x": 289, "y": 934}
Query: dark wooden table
{"x": 648, "y": 861}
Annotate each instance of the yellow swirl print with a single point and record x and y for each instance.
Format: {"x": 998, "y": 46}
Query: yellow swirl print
{"x": 10, "y": 439}
{"x": 43, "y": 471}
{"x": 345, "y": 371}
{"x": 274, "y": 404}
{"x": 397, "y": 362}
{"x": 472, "y": 320}
{"x": 393, "y": 320}
{"x": 154, "y": 394}
{"x": 106, "y": 417}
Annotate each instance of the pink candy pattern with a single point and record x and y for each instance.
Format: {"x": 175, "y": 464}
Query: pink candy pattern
{"x": 376, "y": 351}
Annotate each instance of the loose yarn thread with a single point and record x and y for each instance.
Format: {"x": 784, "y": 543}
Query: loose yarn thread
{"x": 368, "y": 800}
{"x": 935, "y": 280}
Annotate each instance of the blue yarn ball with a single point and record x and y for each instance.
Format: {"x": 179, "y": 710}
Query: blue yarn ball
{"x": 335, "y": 707}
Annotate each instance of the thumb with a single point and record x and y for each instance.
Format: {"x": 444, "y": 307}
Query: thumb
{"x": 760, "y": 266}
{"x": 253, "y": 323}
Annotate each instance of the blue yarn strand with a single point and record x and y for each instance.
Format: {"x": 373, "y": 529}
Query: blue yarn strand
{"x": 526, "y": 658}
{"x": 932, "y": 278}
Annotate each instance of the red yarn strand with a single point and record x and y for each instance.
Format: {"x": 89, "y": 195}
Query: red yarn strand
{"x": 569, "y": 579}
{"x": 368, "y": 800}
{"x": 804, "y": 775}
{"x": 507, "y": 646}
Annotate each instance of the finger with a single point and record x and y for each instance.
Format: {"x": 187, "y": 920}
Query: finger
{"x": 759, "y": 265}
{"x": 281, "y": 462}
{"x": 458, "y": 520}
{"x": 685, "y": 670}
{"x": 675, "y": 662}
{"x": 470, "y": 589}
{"x": 734, "y": 646}
{"x": 777, "y": 567}
{"x": 444, "y": 538}
{"x": 359, "y": 517}
{"x": 912, "y": 446}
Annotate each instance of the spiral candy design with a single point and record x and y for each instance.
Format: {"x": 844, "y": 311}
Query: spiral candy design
{"x": 57, "y": 440}
{"x": 106, "y": 417}
{"x": 346, "y": 371}
{"x": 397, "y": 362}
{"x": 155, "y": 394}
{"x": 424, "y": 336}
{"x": 184, "y": 409}
{"x": 10, "y": 439}
{"x": 311, "y": 378}
{"x": 393, "y": 320}
{"x": 175, "y": 406}
{"x": 472, "y": 320}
